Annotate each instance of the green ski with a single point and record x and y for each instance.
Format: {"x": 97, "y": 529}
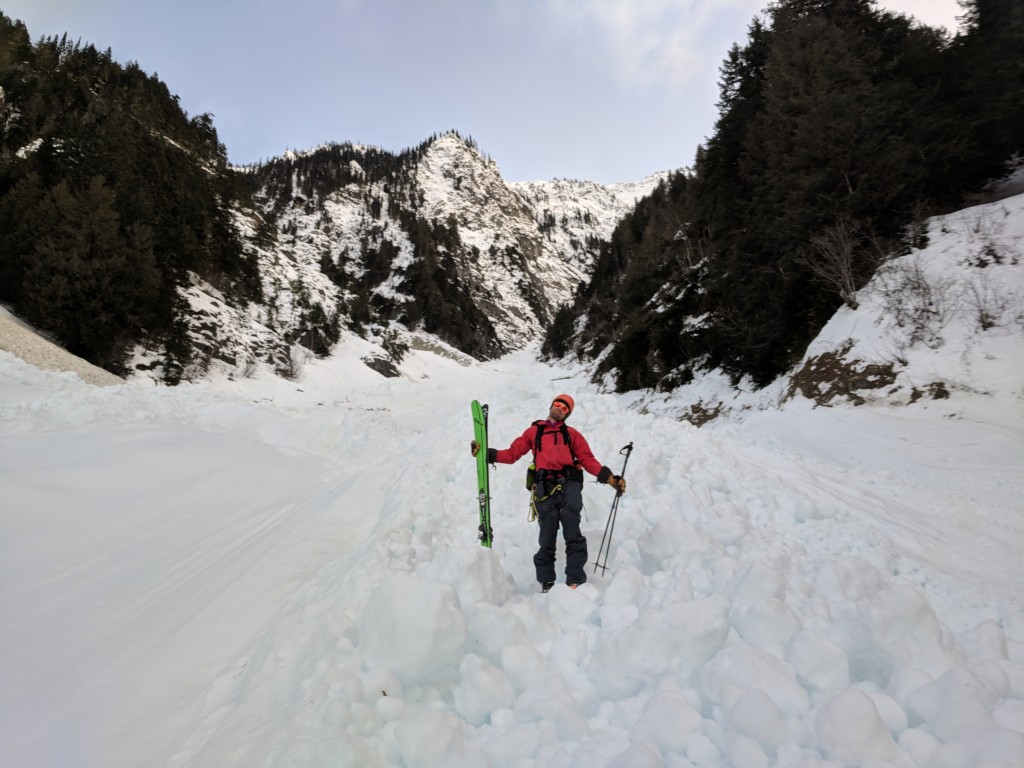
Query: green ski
{"x": 482, "y": 479}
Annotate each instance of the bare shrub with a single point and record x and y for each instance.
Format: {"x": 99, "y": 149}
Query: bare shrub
{"x": 895, "y": 350}
{"x": 985, "y": 304}
{"x": 921, "y": 304}
{"x": 916, "y": 233}
{"x": 984, "y": 233}
{"x": 843, "y": 259}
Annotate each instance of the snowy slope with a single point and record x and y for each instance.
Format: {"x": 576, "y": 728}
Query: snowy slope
{"x": 536, "y": 240}
{"x": 517, "y": 268}
{"x": 947, "y": 318}
{"x": 580, "y": 211}
{"x": 519, "y": 250}
{"x": 517, "y": 278}
{"x": 264, "y": 572}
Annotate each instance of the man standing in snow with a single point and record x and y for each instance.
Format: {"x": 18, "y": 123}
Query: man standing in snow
{"x": 560, "y": 454}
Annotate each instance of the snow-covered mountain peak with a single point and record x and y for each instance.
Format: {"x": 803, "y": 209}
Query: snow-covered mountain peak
{"x": 457, "y": 180}
{"x": 403, "y": 234}
{"x": 571, "y": 212}
{"x": 430, "y": 239}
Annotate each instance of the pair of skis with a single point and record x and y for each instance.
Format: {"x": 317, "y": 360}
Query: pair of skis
{"x": 482, "y": 476}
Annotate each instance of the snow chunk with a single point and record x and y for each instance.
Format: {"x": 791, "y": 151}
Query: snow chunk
{"x": 492, "y": 630}
{"x": 919, "y": 744}
{"x": 987, "y": 748}
{"x": 904, "y": 623}
{"x": 985, "y": 642}
{"x": 758, "y": 581}
{"x": 483, "y": 690}
{"x": 819, "y": 663}
{"x": 569, "y": 608}
{"x": 955, "y": 700}
{"x": 658, "y": 644}
{"x": 747, "y": 753}
{"x": 755, "y": 714}
{"x": 748, "y": 668}
{"x": 546, "y": 699}
{"x": 475, "y": 573}
{"x": 637, "y": 756}
{"x": 412, "y": 626}
{"x": 845, "y": 577}
{"x": 523, "y": 665}
{"x": 851, "y": 730}
{"x": 668, "y": 722}
{"x": 674, "y": 539}
{"x": 767, "y": 624}
{"x": 898, "y": 627}
{"x": 430, "y": 740}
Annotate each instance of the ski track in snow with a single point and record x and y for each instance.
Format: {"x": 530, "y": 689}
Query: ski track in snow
{"x": 189, "y": 579}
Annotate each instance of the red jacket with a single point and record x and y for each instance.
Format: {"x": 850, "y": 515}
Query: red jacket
{"x": 553, "y": 453}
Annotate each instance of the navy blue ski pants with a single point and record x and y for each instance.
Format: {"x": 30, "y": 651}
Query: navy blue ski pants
{"x": 562, "y": 508}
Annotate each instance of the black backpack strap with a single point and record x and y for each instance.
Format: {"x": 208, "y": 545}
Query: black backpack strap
{"x": 568, "y": 441}
{"x": 564, "y": 429}
{"x": 536, "y": 440}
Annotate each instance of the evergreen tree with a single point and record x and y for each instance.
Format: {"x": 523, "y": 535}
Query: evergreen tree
{"x": 87, "y": 280}
{"x": 992, "y": 98}
{"x": 828, "y": 131}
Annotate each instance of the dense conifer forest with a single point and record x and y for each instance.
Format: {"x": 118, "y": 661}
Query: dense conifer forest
{"x": 840, "y": 127}
{"x": 109, "y": 196}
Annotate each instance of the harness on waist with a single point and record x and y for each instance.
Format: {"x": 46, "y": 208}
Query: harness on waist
{"x": 548, "y": 486}
{"x": 545, "y": 483}
{"x": 535, "y": 475}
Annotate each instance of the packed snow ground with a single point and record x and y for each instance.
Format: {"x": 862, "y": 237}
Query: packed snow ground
{"x": 265, "y": 573}
{"x": 191, "y": 578}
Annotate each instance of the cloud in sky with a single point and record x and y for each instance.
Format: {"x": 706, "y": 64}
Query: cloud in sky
{"x": 608, "y": 90}
{"x": 935, "y": 13}
{"x": 648, "y": 44}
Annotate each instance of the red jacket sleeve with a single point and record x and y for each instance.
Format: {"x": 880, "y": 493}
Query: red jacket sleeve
{"x": 520, "y": 446}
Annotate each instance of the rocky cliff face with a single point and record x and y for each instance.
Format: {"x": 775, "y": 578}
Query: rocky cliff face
{"x": 432, "y": 239}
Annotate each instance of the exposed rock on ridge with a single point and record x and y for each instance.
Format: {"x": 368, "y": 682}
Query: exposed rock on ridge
{"x": 431, "y": 239}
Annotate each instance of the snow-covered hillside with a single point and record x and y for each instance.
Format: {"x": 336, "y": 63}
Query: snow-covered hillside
{"x": 253, "y": 571}
{"x": 520, "y": 249}
{"x": 946, "y": 318}
{"x": 536, "y": 240}
{"x": 573, "y": 214}
{"x": 342, "y": 255}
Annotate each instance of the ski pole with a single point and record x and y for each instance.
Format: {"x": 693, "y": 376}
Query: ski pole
{"x": 609, "y": 526}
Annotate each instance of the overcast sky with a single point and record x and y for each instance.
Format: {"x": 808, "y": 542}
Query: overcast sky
{"x": 604, "y": 90}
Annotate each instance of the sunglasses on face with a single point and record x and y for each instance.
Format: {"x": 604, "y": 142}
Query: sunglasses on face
{"x": 560, "y": 407}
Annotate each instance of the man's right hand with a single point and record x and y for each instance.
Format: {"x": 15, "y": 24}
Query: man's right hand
{"x": 474, "y": 447}
{"x": 618, "y": 483}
